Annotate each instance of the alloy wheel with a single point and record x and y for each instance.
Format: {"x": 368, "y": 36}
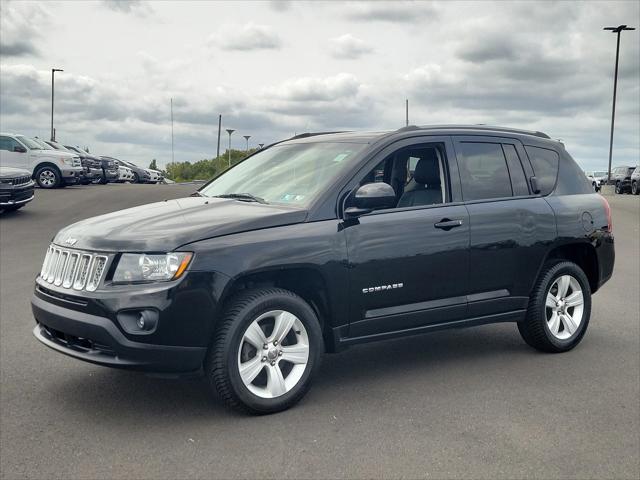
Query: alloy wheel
{"x": 47, "y": 178}
{"x": 564, "y": 307}
{"x": 273, "y": 354}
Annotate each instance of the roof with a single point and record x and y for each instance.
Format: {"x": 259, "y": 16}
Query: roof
{"x": 368, "y": 137}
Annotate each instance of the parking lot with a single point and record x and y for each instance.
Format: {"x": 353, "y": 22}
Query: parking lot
{"x": 472, "y": 403}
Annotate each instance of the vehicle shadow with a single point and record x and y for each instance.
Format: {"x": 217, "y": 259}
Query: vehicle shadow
{"x": 122, "y": 396}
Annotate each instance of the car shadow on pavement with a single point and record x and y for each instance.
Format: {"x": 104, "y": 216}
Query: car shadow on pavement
{"x": 121, "y": 396}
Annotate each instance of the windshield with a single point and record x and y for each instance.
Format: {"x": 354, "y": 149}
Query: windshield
{"x": 292, "y": 174}
{"x": 30, "y": 143}
{"x": 599, "y": 174}
{"x": 42, "y": 144}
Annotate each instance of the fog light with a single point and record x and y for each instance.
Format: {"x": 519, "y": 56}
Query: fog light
{"x": 139, "y": 321}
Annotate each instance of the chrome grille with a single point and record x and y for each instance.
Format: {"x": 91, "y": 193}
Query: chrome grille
{"x": 16, "y": 180}
{"x": 73, "y": 268}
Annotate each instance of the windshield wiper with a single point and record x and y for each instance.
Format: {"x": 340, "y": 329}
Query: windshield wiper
{"x": 243, "y": 197}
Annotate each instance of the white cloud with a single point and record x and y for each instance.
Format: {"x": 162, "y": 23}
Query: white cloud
{"x": 137, "y": 7}
{"x": 544, "y": 66}
{"x": 247, "y": 37}
{"x": 349, "y": 47}
{"x": 21, "y": 28}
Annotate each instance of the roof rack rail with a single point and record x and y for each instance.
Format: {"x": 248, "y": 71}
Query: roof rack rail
{"x": 313, "y": 134}
{"x": 408, "y": 128}
{"x": 475, "y": 127}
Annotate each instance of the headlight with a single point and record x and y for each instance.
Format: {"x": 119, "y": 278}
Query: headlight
{"x": 141, "y": 267}
{"x": 67, "y": 160}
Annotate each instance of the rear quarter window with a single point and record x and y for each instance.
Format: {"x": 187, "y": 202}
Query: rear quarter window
{"x": 571, "y": 180}
{"x": 545, "y": 167}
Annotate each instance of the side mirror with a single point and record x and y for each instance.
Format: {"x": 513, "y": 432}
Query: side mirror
{"x": 19, "y": 149}
{"x": 372, "y": 196}
{"x": 534, "y": 185}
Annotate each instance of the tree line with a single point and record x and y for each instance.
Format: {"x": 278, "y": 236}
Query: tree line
{"x": 203, "y": 169}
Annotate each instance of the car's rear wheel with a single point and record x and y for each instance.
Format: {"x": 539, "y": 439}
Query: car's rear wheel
{"x": 136, "y": 178}
{"x": 618, "y": 188}
{"x": 559, "y": 308}
{"x": 48, "y": 177}
{"x": 634, "y": 188}
{"x": 265, "y": 352}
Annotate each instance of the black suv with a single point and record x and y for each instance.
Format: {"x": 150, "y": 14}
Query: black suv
{"x": 324, "y": 241}
{"x": 621, "y": 178}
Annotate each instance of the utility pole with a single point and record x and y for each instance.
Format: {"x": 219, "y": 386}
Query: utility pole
{"x": 617, "y": 30}
{"x": 172, "y": 156}
{"x": 53, "y": 71}
{"x": 247, "y": 137}
{"x": 406, "y": 104}
{"x": 219, "y": 128}
{"x": 230, "y": 131}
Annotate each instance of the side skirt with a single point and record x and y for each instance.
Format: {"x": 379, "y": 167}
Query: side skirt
{"x": 513, "y": 316}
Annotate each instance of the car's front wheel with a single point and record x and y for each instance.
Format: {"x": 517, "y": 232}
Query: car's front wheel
{"x": 635, "y": 189}
{"x": 265, "y": 352}
{"x": 559, "y": 308}
{"x": 48, "y": 177}
{"x": 618, "y": 188}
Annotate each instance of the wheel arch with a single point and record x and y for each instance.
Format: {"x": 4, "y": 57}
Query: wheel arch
{"x": 44, "y": 164}
{"x": 306, "y": 282}
{"x": 582, "y": 254}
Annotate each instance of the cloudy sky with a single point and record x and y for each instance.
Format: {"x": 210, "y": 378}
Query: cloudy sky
{"x": 276, "y": 68}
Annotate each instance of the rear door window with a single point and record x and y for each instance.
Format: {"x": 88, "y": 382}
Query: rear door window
{"x": 545, "y": 167}
{"x": 483, "y": 171}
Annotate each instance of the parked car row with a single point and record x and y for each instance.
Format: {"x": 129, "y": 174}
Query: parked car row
{"x": 53, "y": 165}
{"x": 626, "y": 179}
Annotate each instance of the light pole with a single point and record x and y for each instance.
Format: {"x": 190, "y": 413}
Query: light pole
{"x": 247, "y": 137}
{"x": 261, "y": 145}
{"x": 230, "y": 131}
{"x": 53, "y": 71}
{"x": 616, "y": 30}
{"x": 172, "y": 157}
{"x": 219, "y": 127}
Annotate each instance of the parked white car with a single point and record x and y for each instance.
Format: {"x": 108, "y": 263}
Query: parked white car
{"x": 49, "y": 168}
{"x": 155, "y": 175}
{"x": 125, "y": 174}
{"x": 597, "y": 179}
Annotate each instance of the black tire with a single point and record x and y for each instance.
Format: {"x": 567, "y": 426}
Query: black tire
{"x": 136, "y": 178}
{"x": 534, "y": 328}
{"x": 618, "y": 188}
{"x": 635, "y": 189}
{"x": 48, "y": 177}
{"x": 221, "y": 364}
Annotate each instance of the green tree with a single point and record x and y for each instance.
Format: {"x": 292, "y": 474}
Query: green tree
{"x": 203, "y": 169}
{"x": 153, "y": 165}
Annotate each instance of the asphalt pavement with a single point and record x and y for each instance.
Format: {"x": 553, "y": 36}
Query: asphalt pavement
{"x": 469, "y": 403}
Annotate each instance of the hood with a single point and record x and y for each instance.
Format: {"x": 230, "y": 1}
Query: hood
{"x": 165, "y": 226}
{"x": 10, "y": 172}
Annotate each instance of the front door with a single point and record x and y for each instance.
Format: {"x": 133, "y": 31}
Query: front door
{"x": 409, "y": 264}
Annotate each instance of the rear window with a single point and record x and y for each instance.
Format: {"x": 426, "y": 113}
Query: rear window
{"x": 483, "y": 171}
{"x": 545, "y": 167}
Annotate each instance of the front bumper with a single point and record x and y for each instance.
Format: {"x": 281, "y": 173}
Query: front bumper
{"x": 71, "y": 175}
{"x": 111, "y": 175}
{"x": 97, "y": 340}
{"x": 89, "y": 326}
{"x": 16, "y": 195}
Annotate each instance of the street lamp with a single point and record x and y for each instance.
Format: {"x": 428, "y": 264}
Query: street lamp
{"x": 261, "y": 145}
{"x": 53, "y": 71}
{"x": 230, "y": 131}
{"x": 247, "y": 137}
{"x": 616, "y": 30}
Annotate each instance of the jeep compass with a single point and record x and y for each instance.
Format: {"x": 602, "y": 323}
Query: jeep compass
{"x": 324, "y": 241}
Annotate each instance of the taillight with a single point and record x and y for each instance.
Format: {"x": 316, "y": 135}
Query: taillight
{"x": 607, "y": 210}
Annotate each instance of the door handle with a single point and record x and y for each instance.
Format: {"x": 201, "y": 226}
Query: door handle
{"x": 446, "y": 224}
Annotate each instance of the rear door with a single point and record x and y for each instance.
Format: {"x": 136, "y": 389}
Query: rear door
{"x": 510, "y": 228}
{"x": 408, "y": 266}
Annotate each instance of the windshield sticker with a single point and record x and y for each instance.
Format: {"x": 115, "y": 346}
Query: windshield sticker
{"x": 292, "y": 197}
{"x": 341, "y": 156}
